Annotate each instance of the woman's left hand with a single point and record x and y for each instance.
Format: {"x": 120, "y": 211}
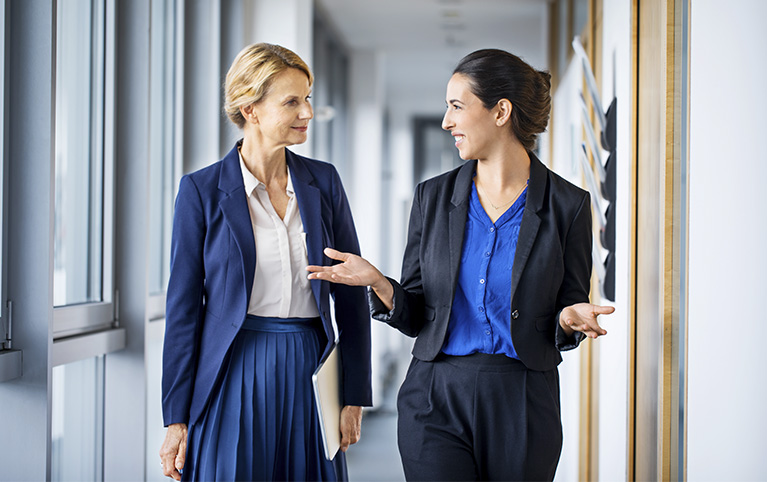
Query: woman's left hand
{"x": 583, "y": 317}
{"x": 351, "y": 426}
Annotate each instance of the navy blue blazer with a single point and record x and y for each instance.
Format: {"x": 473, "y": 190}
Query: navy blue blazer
{"x": 213, "y": 260}
{"x": 552, "y": 264}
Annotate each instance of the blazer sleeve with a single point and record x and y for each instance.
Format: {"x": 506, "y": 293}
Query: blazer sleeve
{"x": 407, "y": 315}
{"x": 350, "y": 309}
{"x": 577, "y": 278}
{"x": 184, "y": 304}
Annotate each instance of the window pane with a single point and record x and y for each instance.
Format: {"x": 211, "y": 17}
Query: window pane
{"x": 435, "y": 152}
{"x": 77, "y": 435}
{"x": 162, "y": 180}
{"x": 78, "y": 223}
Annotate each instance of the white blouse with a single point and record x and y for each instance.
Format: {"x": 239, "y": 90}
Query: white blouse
{"x": 281, "y": 286}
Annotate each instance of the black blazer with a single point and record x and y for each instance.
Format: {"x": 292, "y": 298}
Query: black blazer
{"x": 552, "y": 264}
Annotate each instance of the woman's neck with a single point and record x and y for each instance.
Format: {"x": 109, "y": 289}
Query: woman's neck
{"x": 506, "y": 168}
{"x": 268, "y": 164}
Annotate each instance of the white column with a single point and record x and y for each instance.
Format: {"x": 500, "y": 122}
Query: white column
{"x": 366, "y": 124}
{"x": 125, "y": 381}
{"x": 366, "y": 117}
{"x": 288, "y": 23}
{"x": 726, "y": 392}
{"x": 25, "y": 402}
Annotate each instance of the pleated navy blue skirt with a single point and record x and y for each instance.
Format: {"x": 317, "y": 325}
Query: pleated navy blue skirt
{"x": 261, "y": 422}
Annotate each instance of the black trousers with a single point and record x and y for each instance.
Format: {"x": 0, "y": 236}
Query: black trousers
{"x": 478, "y": 417}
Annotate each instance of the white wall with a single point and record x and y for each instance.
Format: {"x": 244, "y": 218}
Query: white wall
{"x": 614, "y": 348}
{"x": 563, "y": 140}
{"x": 612, "y": 360}
{"x": 727, "y": 384}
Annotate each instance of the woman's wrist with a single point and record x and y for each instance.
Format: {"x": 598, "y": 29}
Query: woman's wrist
{"x": 384, "y": 291}
{"x": 178, "y": 426}
{"x": 563, "y": 324}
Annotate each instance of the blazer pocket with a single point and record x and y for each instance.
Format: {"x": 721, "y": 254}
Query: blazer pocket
{"x": 209, "y": 314}
{"x": 429, "y": 314}
{"x": 546, "y": 323}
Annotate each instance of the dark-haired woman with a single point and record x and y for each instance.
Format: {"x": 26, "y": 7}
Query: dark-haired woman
{"x": 495, "y": 282}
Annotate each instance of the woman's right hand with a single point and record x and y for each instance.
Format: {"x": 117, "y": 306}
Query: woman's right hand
{"x": 354, "y": 271}
{"x": 173, "y": 451}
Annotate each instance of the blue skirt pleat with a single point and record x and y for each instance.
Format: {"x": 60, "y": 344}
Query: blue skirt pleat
{"x": 261, "y": 422}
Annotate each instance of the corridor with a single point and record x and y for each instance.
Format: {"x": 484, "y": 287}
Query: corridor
{"x": 106, "y": 104}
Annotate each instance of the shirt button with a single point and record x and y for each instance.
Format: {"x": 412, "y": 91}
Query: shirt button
{"x": 492, "y": 230}
{"x": 481, "y": 309}
{"x": 487, "y": 332}
{"x": 482, "y": 281}
{"x": 514, "y": 315}
{"x": 487, "y": 253}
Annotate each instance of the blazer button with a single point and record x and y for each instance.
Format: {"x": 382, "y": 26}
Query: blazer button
{"x": 514, "y": 315}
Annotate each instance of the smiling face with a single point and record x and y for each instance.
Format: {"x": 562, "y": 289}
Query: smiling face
{"x": 281, "y": 117}
{"x": 473, "y": 126}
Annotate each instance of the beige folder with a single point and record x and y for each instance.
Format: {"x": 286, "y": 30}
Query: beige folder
{"x": 327, "y": 396}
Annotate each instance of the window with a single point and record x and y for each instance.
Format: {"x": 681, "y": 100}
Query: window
{"x": 434, "y": 152}
{"x": 77, "y": 433}
{"x": 163, "y": 176}
{"x": 82, "y": 278}
{"x": 329, "y": 93}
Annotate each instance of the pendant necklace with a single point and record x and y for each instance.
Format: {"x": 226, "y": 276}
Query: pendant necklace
{"x": 506, "y": 203}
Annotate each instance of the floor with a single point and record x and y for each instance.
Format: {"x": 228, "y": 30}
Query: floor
{"x": 375, "y": 457}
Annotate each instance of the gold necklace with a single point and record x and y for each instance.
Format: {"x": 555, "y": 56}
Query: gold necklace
{"x": 484, "y": 194}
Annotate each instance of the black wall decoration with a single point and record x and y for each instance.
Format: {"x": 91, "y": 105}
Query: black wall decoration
{"x": 602, "y": 186}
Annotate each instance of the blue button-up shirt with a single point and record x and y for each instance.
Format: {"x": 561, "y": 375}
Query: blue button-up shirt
{"x": 481, "y": 315}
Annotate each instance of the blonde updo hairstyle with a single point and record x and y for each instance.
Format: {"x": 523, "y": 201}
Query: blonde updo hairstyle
{"x": 252, "y": 73}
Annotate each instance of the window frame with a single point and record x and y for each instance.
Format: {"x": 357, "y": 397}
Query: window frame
{"x": 95, "y": 317}
{"x": 172, "y": 110}
{"x": 4, "y": 320}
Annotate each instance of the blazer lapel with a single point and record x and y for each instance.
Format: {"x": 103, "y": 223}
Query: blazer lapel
{"x": 309, "y": 202}
{"x": 530, "y": 220}
{"x": 459, "y": 210}
{"x": 235, "y": 210}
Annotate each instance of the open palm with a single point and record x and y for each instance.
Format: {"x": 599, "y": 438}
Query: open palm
{"x": 583, "y": 317}
{"x": 353, "y": 270}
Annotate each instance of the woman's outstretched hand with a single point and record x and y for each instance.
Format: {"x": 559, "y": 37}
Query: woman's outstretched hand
{"x": 354, "y": 271}
{"x": 583, "y": 317}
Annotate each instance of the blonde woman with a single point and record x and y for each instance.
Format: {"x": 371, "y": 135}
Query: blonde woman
{"x": 245, "y": 327}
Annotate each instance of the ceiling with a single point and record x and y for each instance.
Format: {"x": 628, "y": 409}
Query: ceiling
{"x": 422, "y": 40}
